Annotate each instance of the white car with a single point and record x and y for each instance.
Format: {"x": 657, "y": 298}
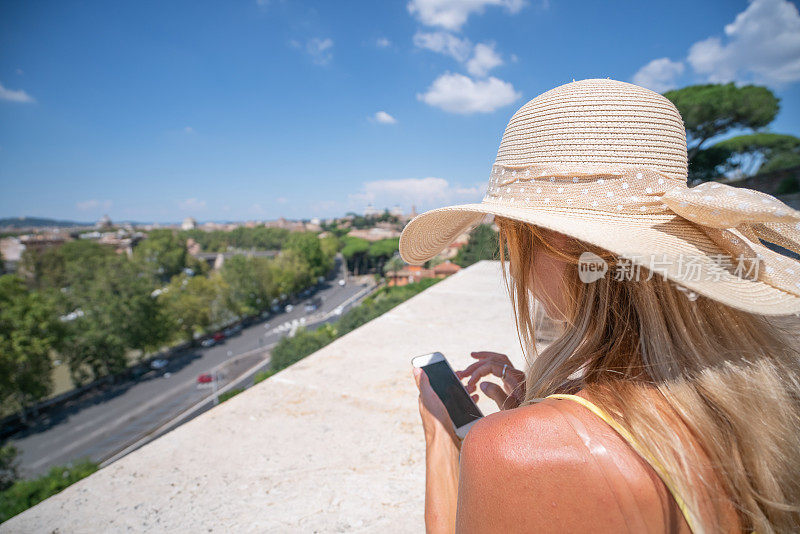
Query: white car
{"x": 158, "y": 364}
{"x": 342, "y": 282}
{"x": 289, "y": 308}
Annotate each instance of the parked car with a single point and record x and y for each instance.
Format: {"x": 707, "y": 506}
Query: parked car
{"x": 342, "y": 282}
{"x": 219, "y": 336}
{"x": 158, "y": 364}
{"x": 288, "y": 308}
{"x": 236, "y": 328}
{"x": 208, "y": 342}
{"x": 205, "y": 378}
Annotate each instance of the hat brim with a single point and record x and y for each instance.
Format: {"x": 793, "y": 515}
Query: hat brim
{"x": 637, "y": 237}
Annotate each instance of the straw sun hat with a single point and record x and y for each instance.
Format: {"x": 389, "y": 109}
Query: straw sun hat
{"x": 605, "y": 162}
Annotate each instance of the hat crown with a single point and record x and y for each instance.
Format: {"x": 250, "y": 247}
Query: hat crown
{"x": 597, "y": 124}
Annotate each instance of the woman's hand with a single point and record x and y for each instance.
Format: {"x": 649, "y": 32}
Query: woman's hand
{"x": 513, "y": 391}
{"x": 441, "y": 459}
{"x": 435, "y": 419}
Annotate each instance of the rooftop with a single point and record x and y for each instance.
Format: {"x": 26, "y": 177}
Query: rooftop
{"x": 332, "y": 443}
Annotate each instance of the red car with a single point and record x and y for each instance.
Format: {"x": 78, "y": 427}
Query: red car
{"x": 205, "y": 378}
{"x": 219, "y": 336}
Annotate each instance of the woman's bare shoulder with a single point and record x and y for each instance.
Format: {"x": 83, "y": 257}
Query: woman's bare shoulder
{"x": 530, "y": 465}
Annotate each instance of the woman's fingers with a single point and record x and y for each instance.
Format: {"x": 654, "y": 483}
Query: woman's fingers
{"x": 483, "y": 354}
{"x": 484, "y": 357}
{"x": 487, "y": 368}
{"x": 469, "y": 370}
{"x": 417, "y": 372}
{"x": 496, "y": 393}
{"x": 513, "y": 379}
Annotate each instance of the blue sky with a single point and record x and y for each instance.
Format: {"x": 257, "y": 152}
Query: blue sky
{"x": 238, "y": 110}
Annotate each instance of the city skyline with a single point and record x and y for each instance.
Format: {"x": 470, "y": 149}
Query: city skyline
{"x": 269, "y": 109}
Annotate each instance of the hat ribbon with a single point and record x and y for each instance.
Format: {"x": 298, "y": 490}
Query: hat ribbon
{"x": 714, "y": 207}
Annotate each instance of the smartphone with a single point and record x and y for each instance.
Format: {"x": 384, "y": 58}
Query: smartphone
{"x": 462, "y": 409}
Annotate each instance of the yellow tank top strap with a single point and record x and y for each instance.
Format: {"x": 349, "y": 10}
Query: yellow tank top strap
{"x": 639, "y": 448}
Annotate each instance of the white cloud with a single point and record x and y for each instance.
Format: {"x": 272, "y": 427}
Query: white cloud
{"x": 383, "y": 42}
{"x": 192, "y": 204}
{"x": 189, "y": 130}
{"x": 15, "y": 96}
{"x": 444, "y": 43}
{"x": 483, "y": 60}
{"x": 93, "y": 204}
{"x": 320, "y": 50}
{"x": 422, "y": 192}
{"x": 452, "y": 14}
{"x": 384, "y": 118}
{"x": 761, "y": 45}
{"x": 457, "y": 93}
{"x": 479, "y": 59}
{"x": 659, "y": 75}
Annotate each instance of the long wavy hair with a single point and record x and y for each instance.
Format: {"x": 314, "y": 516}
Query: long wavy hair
{"x": 673, "y": 370}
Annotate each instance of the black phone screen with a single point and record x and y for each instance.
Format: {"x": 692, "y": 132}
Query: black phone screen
{"x": 447, "y": 386}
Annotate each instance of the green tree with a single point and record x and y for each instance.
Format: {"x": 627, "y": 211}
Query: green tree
{"x": 712, "y": 110}
{"x": 189, "y": 302}
{"x": 761, "y": 152}
{"x": 43, "y": 268}
{"x": 163, "y": 252}
{"x": 380, "y": 251}
{"x": 113, "y": 312}
{"x": 29, "y": 330}
{"x": 307, "y": 245}
{"x": 330, "y": 245}
{"x": 249, "y": 284}
{"x": 355, "y": 252}
{"x": 482, "y": 245}
{"x": 290, "y": 273}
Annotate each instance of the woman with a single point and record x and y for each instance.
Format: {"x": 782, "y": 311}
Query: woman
{"x": 671, "y": 401}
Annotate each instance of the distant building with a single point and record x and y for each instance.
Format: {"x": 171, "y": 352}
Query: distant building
{"x": 294, "y": 226}
{"x": 104, "y": 222}
{"x": 189, "y": 224}
{"x": 371, "y": 211}
{"x": 445, "y": 269}
{"x": 374, "y": 234}
{"x": 414, "y": 273}
{"x": 397, "y": 211}
{"x": 193, "y": 247}
{"x": 11, "y": 249}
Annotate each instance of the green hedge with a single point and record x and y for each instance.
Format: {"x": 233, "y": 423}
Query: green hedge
{"x": 26, "y": 493}
{"x": 230, "y": 393}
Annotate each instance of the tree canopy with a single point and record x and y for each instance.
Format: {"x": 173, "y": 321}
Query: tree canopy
{"x": 29, "y": 330}
{"x": 713, "y": 110}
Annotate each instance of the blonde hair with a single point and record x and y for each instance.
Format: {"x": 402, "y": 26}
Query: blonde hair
{"x": 671, "y": 370}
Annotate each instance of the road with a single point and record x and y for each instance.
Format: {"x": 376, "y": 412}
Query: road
{"x": 101, "y": 423}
